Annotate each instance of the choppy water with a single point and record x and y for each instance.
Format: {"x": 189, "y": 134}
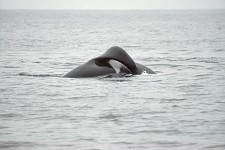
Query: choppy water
{"x": 181, "y": 107}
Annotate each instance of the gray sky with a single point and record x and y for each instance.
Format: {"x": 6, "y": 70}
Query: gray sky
{"x": 112, "y": 4}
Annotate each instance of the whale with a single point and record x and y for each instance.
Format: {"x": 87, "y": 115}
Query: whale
{"x": 114, "y": 61}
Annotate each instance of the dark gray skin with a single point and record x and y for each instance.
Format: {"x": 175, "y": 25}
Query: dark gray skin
{"x": 100, "y": 66}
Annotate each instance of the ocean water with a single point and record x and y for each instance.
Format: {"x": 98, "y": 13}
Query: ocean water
{"x": 180, "y": 107}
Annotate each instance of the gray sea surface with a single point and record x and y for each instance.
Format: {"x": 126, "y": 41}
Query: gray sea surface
{"x": 181, "y": 107}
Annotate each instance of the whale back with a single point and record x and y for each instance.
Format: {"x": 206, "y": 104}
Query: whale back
{"x": 118, "y": 54}
{"x": 89, "y": 69}
{"x": 114, "y": 60}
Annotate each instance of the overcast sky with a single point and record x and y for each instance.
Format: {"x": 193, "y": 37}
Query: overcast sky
{"x": 112, "y": 4}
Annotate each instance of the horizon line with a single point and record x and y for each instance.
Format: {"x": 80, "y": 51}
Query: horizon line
{"x": 112, "y": 9}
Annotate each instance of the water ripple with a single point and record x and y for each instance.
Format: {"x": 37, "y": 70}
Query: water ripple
{"x": 16, "y": 144}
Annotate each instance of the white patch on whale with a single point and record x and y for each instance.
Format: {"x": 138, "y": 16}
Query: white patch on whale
{"x": 117, "y": 66}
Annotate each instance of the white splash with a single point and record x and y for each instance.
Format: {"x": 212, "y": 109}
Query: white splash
{"x": 144, "y": 73}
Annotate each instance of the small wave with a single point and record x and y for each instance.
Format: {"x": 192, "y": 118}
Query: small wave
{"x": 187, "y": 59}
{"x": 36, "y": 62}
{"x": 9, "y": 115}
{"x": 174, "y": 99}
{"x": 119, "y": 75}
{"x": 169, "y": 143}
{"x": 110, "y": 116}
{"x": 205, "y": 59}
{"x": 132, "y": 46}
{"x": 39, "y": 75}
{"x": 116, "y": 77}
{"x": 10, "y": 67}
{"x": 13, "y": 144}
{"x": 220, "y": 50}
{"x": 215, "y": 146}
{"x": 203, "y": 75}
